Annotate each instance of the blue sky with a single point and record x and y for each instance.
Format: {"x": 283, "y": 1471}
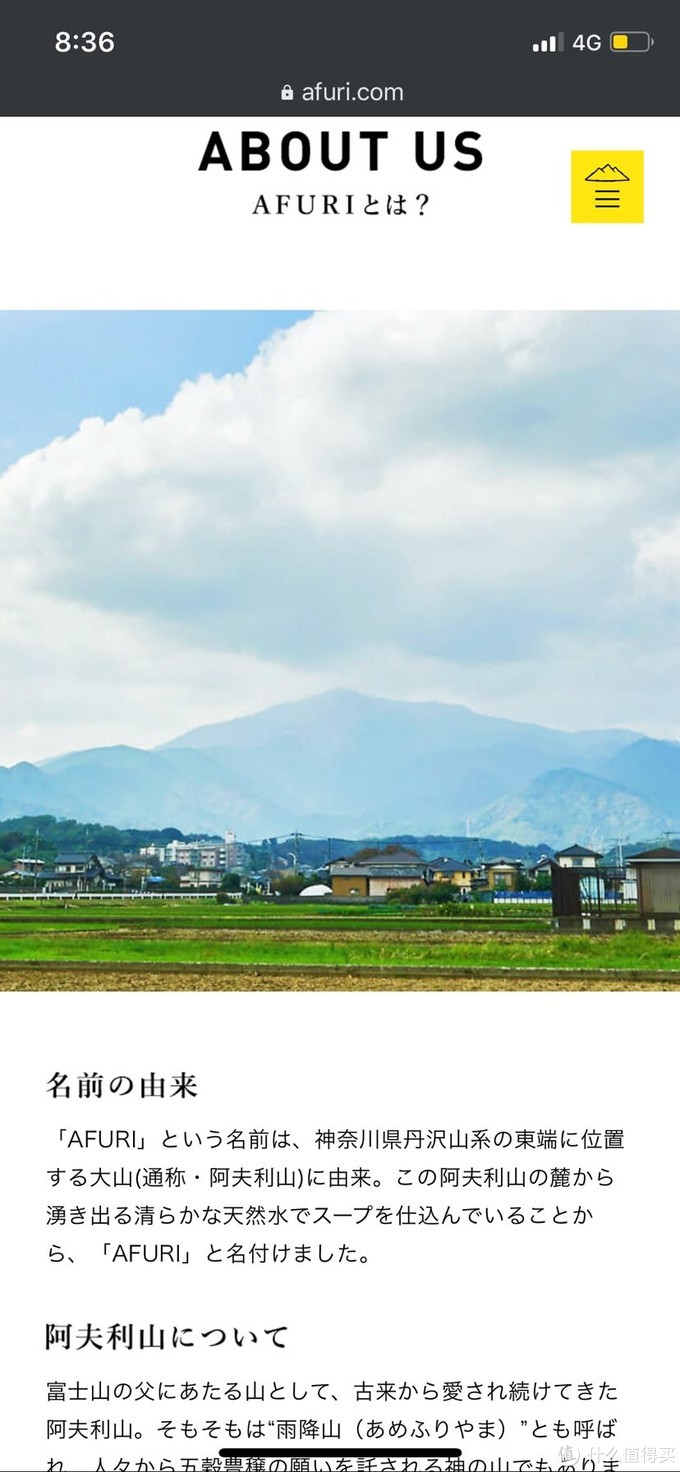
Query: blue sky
{"x": 476, "y": 507}
{"x": 57, "y": 368}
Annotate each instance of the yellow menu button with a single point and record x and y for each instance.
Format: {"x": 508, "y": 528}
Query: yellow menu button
{"x": 607, "y": 188}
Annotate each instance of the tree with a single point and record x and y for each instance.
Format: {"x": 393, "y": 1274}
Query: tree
{"x": 541, "y": 881}
{"x": 378, "y": 853}
{"x": 231, "y": 882}
{"x": 290, "y": 884}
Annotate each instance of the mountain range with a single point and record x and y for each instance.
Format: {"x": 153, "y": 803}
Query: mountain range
{"x": 352, "y": 764}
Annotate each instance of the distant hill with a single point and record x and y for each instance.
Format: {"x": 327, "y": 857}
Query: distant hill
{"x": 348, "y": 764}
{"x": 41, "y": 835}
{"x": 568, "y": 803}
{"x": 652, "y": 769}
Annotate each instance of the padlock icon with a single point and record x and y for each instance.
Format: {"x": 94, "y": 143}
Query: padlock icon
{"x": 287, "y": 93}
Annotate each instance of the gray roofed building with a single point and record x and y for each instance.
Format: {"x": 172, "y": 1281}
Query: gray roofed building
{"x": 374, "y": 878}
{"x": 577, "y": 857}
{"x": 657, "y": 872}
{"x": 78, "y": 869}
{"x": 577, "y": 851}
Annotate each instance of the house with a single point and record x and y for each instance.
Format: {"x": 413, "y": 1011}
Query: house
{"x": 77, "y": 870}
{"x": 458, "y": 872}
{"x": 657, "y": 872}
{"x": 206, "y": 877}
{"x": 586, "y": 860}
{"x": 577, "y": 857}
{"x": 29, "y": 867}
{"x": 375, "y": 877}
{"x": 502, "y": 874}
{"x": 25, "y": 869}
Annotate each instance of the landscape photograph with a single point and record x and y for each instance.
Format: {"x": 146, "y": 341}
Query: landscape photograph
{"x": 338, "y": 650}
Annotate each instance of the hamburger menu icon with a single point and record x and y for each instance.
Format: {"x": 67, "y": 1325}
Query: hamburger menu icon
{"x": 606, "y": 181}
{"x": 607, "y": 186}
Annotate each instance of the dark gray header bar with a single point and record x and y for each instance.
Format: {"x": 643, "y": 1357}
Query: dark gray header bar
{"x": 426, "y": 59}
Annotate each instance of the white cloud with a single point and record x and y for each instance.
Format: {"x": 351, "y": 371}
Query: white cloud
{"x": 658, "y": 562}
{"x": 427, "y": 502}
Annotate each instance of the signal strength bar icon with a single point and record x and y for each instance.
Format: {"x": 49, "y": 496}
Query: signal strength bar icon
{"x": 550, "y": 43}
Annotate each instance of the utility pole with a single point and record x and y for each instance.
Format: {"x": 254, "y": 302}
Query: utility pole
{"x": 619, "y": 849}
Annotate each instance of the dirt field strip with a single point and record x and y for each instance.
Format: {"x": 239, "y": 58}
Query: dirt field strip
{"x": 36, "y": 976}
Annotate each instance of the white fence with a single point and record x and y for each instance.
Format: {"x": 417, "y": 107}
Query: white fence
{"x": 106, "y": 894}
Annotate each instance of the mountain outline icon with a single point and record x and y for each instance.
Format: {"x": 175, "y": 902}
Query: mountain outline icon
{"x": 607, "y": 171}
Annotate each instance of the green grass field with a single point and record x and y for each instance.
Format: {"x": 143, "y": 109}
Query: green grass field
{"x": 611, "y": 952}
{"x": 204, "y": 934}
{"x": 205, "y": 914}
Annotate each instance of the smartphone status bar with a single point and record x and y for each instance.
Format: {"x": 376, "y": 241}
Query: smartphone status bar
{"x": 85, "y": 58}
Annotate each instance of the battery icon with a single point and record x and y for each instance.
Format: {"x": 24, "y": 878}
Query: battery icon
{"x": 630, "y": 41}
